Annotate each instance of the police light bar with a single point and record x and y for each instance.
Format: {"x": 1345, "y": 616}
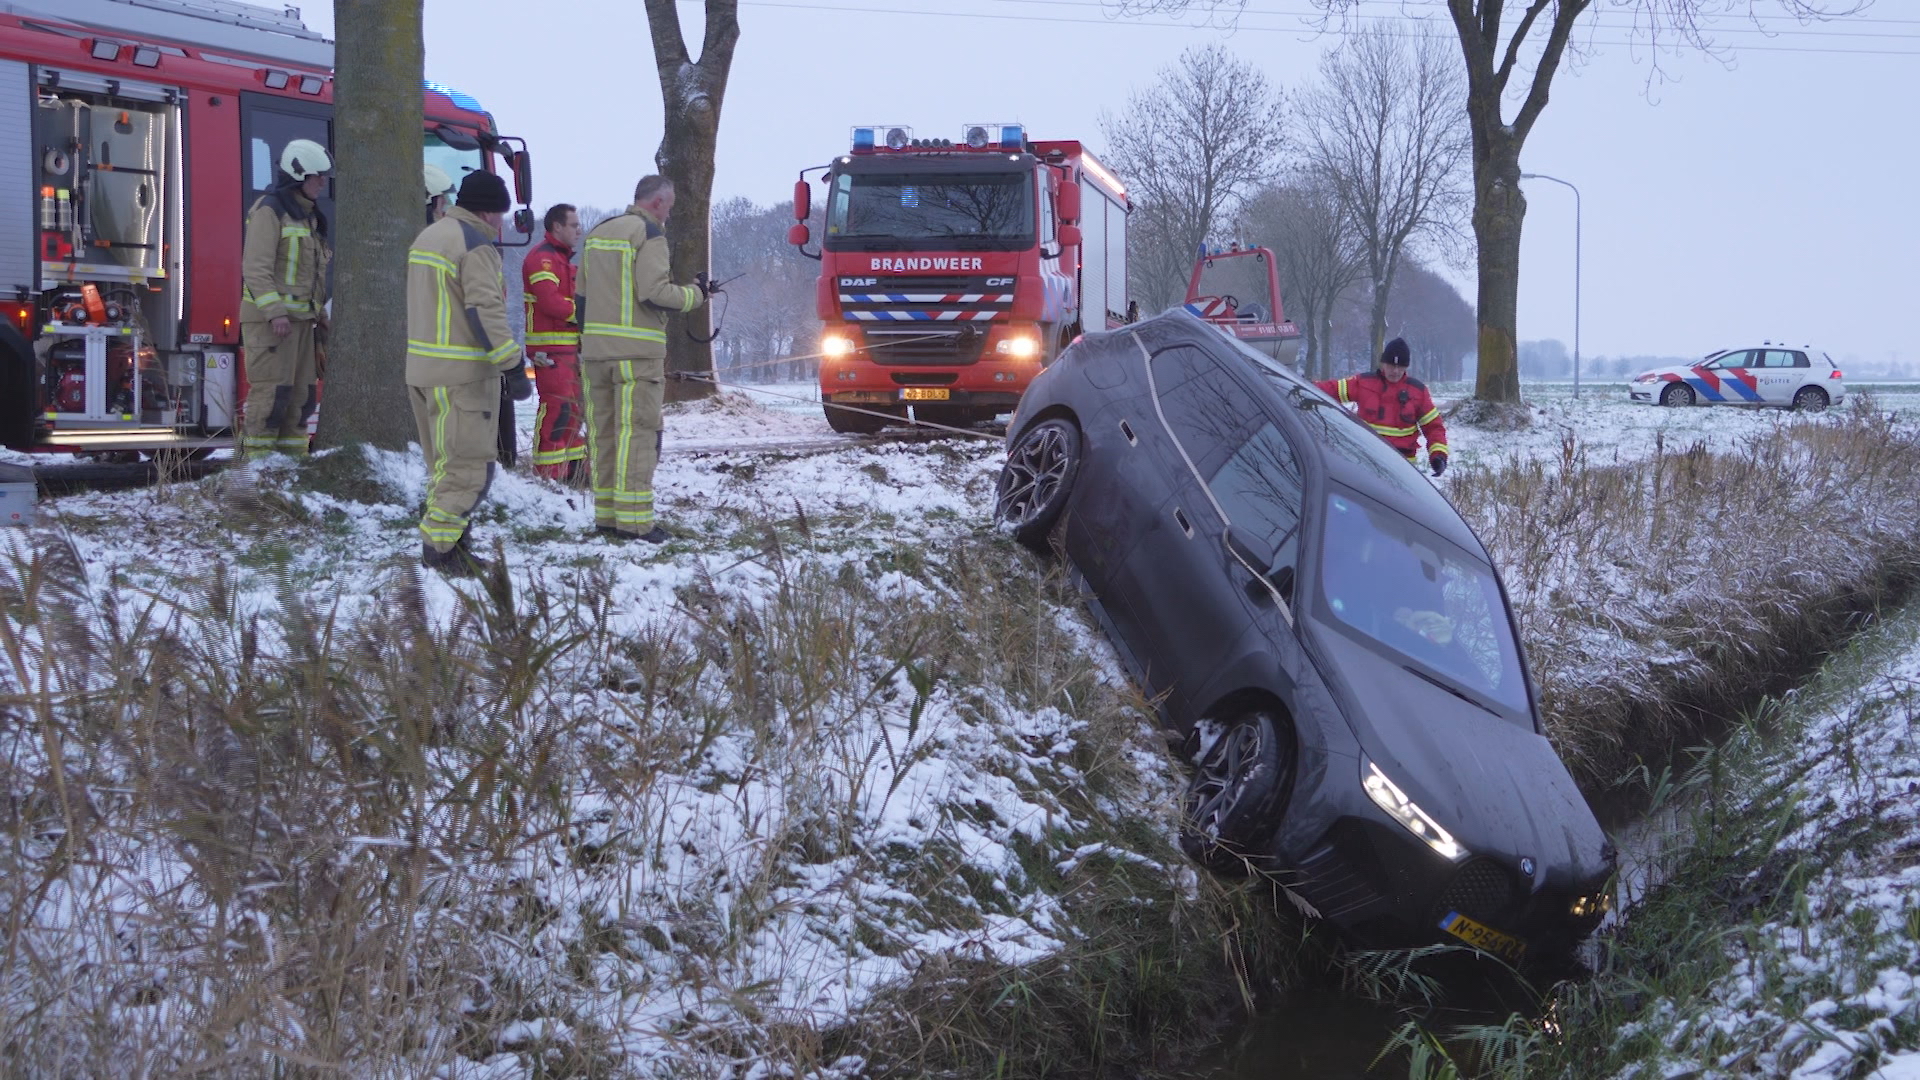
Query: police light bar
{"x": 872, "y": 136}
{"x": 1003, "y": 136}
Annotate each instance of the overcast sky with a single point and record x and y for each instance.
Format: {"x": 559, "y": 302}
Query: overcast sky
{"x": 1769, "y": 196}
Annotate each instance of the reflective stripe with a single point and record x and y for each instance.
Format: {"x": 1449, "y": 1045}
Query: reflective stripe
{"x": 626, "y": 435}
{"x": 544, "y": 275}
{"x": 263, "y": 299}
{"x": 692, "y": 301}
{"x": 1342, "y": 387}
{"x": 508, "y": 350}
{"x": 432, "y": 259}
{"x": 446, "y": 352}
{"x": 1438, "y": 448}
{"x": 560, "y": 456}
{"x": 1383, "y": 429}
{"x": 437, "y": 525}
{"x": 553, "y": 337}
{"x": 1430, "y": 417}
{"x": 637, "y": 333}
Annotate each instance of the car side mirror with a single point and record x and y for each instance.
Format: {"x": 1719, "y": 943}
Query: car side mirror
{"x": 523, "y": 221}
{"x": 1069, "y": 236}
{"x": 1067, "y": 203}
{"x": 1237, "y": 545}
{"x": 802, "y": 201}
{"x": 798, "y": 234}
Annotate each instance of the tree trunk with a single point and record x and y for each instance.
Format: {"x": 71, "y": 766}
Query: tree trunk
{"x": 1498, "y": 211}
{"x": 377, "y": 141}
{"x": 692, "y": 93}
{"x": 1377, "y": 318}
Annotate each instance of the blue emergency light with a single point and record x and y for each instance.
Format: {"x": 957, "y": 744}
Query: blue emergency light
{"x": 1012, "y": 137}
{"x": 863, "y": 138}
{"x": 459, "y": 98}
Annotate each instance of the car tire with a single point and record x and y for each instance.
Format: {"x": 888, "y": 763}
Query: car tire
{"x": 1810, "y": 399}
{"x": 1037, "y": 481}
{"x": 1677, "y": 395}
{"x": 848, "y": 422}
{"x": 1238, "y": 791}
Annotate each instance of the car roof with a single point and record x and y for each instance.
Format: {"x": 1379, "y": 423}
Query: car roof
{"x": 1811, "y": 350}
{"x": 1352, "y": 455}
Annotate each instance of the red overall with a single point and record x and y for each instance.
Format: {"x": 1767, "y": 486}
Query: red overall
{"x": 1399, "y": 412}
{"x": 560, "y": 442}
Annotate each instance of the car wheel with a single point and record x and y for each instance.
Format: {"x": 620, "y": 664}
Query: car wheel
{"x": 1242, "y": 769}
{"x": 1810, "y": 399}
{"x": 1036, "y": 481}
{"x": 848, "y": 422}
{"x": 1677, "y": 395}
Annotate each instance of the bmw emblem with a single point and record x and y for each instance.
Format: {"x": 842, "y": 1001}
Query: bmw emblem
{"x": 1526, "y": 866}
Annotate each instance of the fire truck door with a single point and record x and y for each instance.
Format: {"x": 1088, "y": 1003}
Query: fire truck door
{"x": 268, "y": 124}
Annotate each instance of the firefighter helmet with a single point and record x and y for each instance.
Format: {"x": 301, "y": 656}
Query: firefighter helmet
{"x": 438, "y": 182}
{"x": 303, "y": 158}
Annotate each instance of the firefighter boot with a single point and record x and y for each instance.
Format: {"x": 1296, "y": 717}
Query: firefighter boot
{"x": 459, "y": 561}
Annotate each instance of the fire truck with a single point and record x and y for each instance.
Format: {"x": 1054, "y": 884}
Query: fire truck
{"x": 134, "y": 137}
{"x": 952, "y": 271}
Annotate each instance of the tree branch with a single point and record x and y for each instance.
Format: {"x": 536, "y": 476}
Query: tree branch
{"x": 669, "y": 43}
{"x": 1568, "y": 13}
{"x": 1501, "y": 76}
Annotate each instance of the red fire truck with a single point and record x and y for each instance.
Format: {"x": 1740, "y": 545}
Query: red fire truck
{"x": 951, "y": 271}
{"x": 134, "y": 136}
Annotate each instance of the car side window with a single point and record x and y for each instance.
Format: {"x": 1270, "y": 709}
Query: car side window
{"x": 1205, "y": 409}
{"x": 1260, "y": 489}
{"x": 1786, "y": 358}
{"x": 1733, "y": 360}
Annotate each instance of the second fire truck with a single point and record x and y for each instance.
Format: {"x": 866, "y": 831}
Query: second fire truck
{"x": 953, "y": 270}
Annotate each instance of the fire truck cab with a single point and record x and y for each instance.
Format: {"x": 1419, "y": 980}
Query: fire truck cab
{"x": 134, "y": 137}
{"x": 953, "y": 271}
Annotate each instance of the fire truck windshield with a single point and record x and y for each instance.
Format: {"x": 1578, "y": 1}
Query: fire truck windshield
{"x": 903, "y": 211}
{"x": 455, "y": 163}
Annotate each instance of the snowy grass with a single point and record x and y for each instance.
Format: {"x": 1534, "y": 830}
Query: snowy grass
{"x": 1783, "y": 937}
{"x": 1666, "y": 589}
{"x": 837, "y": 782}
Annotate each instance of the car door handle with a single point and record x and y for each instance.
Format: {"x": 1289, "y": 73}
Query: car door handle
{"x": 1127, "y": 430}
{"x": 1180, "y": 519}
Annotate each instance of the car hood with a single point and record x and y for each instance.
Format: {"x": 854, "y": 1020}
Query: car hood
{"x": 1497, "y": 786}
{"x": 1679, "y": 370}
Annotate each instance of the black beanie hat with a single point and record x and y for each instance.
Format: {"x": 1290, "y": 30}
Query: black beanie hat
{"x": 1396, "y": 353}
{"x": 483, "y": 193}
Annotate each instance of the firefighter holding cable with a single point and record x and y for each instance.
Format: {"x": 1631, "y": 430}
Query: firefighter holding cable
{"x": 1395, "y": 405}
{"x": 628, "y": 292}
{"x": 459, "y": 349}
{"x": 283, "y": 299}
{"x": 553, "y": 347}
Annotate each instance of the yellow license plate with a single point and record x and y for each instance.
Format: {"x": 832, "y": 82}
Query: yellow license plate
{"x": 1484, "y": 937}
{"x": 925, "y": 393}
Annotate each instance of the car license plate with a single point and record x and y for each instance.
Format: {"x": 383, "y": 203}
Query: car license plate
{"x": 1484, "y": 937}
{"x": 924, "y": 393}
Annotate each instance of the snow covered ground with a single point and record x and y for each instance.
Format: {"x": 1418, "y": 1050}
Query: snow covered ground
{"x": 1825, "y": 985}
{"x": 794, "y": 784}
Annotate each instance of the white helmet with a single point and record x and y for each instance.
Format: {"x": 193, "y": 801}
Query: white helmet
{"x": 303, "y": 158}
{"x": 438, "y": 182}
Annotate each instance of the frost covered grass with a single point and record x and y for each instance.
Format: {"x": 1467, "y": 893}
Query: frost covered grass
{"x": 1780, "y": 933}
{"x": 1664, "y": 590}
{"x": 833, "y": 784}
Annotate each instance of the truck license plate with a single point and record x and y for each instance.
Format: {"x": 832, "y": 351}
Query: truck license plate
{"x": 924, "y": 393}
{"x": 1484, "y": 937}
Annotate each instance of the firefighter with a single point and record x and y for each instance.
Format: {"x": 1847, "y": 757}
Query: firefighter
{"x": 628, "y": 294}
{"x": 439, "y": 192}
{"x": 1396, "y": 406}
{"x": 553, "y": 346}
{"x": 282, "y": 299}
{"x": 458, "y": 349}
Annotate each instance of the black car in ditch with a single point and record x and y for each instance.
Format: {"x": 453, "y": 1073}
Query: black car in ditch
{"x": 1323, "y": 634}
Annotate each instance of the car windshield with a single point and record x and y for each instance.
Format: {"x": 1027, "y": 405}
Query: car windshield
{"x": 963, "y": 210}
{"x": 1439, "y": 610}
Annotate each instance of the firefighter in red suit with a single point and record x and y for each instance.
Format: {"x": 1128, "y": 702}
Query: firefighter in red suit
{"x": 553, "y": 347}
{"x": 1395, "y": 405}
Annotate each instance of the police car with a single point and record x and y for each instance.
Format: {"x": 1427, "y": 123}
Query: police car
{"x": 1791, "y": 377}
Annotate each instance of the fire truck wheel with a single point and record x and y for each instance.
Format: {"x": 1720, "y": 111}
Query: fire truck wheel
{"x": 848, "y": 422}
{"x": 16, "y": 388}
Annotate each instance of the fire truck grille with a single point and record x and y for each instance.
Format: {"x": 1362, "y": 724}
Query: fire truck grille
{"x": 931, "y": 346}
{"x": 949, "y": 299}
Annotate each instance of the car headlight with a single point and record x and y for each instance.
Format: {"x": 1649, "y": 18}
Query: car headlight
{"x": 836, "y": 346}
{"x": 1647, "y": 378}
{"x": 1595, "y": 904}
{"x": 1020, "y": 348}
{"x": 1388, "y": 796}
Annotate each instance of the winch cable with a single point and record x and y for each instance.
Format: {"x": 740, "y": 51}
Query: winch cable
{"x": 688, "y": 376}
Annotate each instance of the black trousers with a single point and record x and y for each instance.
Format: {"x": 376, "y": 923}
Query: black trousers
{"x": 509, "y": 449}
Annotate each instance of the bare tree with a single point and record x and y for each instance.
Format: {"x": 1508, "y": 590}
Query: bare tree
{"x": 1498, "y": 38}
{"x": 1386, "y": 129}
{"x": 378, "y": 63}
{"x": 692, "y": 91}
{"x": 1314, "y": 251}
{"x": 1190, "y": 148}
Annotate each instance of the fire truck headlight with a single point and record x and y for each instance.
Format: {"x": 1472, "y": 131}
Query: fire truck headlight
{"x": 899, "y": 137}
{"x": 835, "y": 346}
{"x": 977, "y": 137}
{"x": 1020, "y": 348}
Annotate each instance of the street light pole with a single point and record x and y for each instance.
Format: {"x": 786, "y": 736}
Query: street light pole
{"x": 1576, "y": 271}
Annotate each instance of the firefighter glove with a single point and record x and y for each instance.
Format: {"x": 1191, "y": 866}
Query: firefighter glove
{"x": 705, "y": 284}
{"x": 1438, "y": 462}
{"x": 518, "y": 386}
